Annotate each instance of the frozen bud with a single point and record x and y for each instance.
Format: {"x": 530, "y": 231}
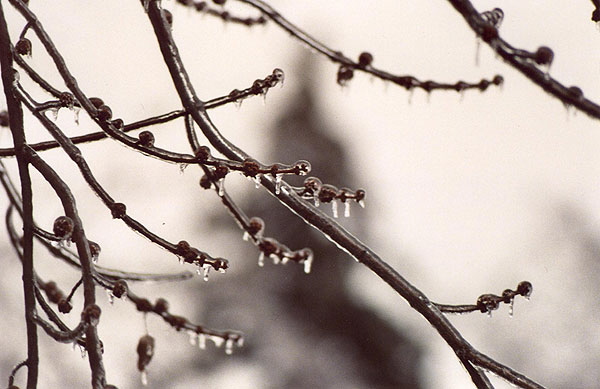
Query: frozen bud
{"x": 302, "y": 168}
{"x": 63, "y": 227}
{"x": 268, "y": 246}
{"x": 67, "y": 100}
{"x": 109, "y": 387}
{"x": 487, "y": 302}
{"x": 146, "y": 138}
{"x": 118, "y": 210}
{"x": 327, "y": 193}
{"x": 94, "y": 249}
{"x": 312, "y": 184}
{"x": 4, "y": 121}
{"x": 120, "y": 288}
{"x": 200, "y": 5}
{"x": 168, "y": 17}
{"x": 256, "y": 226}
{"x": 183, "y": 247}
{"x": 96, "y": 102}
{"x": 202, "y": 153}
{"x": 118, "y": 124}
{"x": 91, "y": 314}
{"x": 525, "y": 288}
{"x": 143, "y": 305}
{"x": 104, "y": 113}
{"x": 178, "y": 322}
{"x": 498, "y": 80}
{"x": 596, "y": 15}
{"x": 145, "y": 351}
{"x": 345, "y": 74}
{"x": 460, "y": 86}
{"x": 64, "y": 306}
{"x": 23, "y": 47}
{"x": 161, "y": 306}
{"x": 250, "y": 168}
{"x": 360, "y": 195}
{"x": 365, "y": 59}
{"x": 483, "y": 85}
{"x": 205, "y": 182}
{"x": 575, "y": 92}
{"x": 221, "y": 264}
{"x": 278, "y": 75}
{"x": 489, "y": 32}
{"x": 220, "y": 172}
{"x": 544, "y": 56}
{"x": 234, "y": 94}
{"x": 507, "y": 296}
{"x": 219, "y": 2}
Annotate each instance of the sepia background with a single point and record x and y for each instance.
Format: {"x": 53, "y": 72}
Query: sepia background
{"x": 467, "y": 194}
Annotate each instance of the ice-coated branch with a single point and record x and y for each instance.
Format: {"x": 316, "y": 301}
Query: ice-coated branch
{"x": 313, "y": 216}
{"x": 226, "y": 16}
{"x": 93, "y": 346}
{"x": 532, "y": 65}
{"x": 364, "y": 62}
{"x": 15, "y": 113}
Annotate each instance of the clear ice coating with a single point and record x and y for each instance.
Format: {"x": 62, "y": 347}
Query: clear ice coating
{"x": 201, "y": 341}
{"x": 229, "y": 346}
{"x": 347, "y": 209}
{"x": 261, "y": 259}
{"x": 278, "y": 178}
{"x": 334, "y": 208}
{"x": 144, "y": 377}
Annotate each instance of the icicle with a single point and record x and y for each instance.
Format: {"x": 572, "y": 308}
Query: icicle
{"x": 146, "y": 5}
{"x": 54, "y": 113}
{"x": 334, "y": 208}
{"x": 229, "y": 346}
{"x": 261, "y": 259}
{"x": 95, "y": 259}
{"x": 361, "y": 203}
{"x": 489, "y": 313}
{"x": 217, "y": 340}
{"x": 275, "y": 259}
{"x": 256, "y": 179}
{"x": 193, "y": 337}
{"x": 182, "y": 167}
{"x": 511, "y": 307}
{"x": 477, "y": 51}
{"x": 284, "y": 260}
{"x": 202, "y": 341}
{"x": 144, "y": 377}
{"x": 222, "y": 271}
{"x": 181, "y": 260}
{"x": 76, "y": 111}
{"x": 111, "y": 296}
{"x": 346, "y": 209}
{"x": 308, "y": 264}
{"x": 206, "y": 270}
{"x": 316, "y": 198}
{"x": 411, "y": 92}
{"x": 221, "y": 187}
{"x": 240, "y": 342}
{"x": 83, "y": 352}
{"x": 246, "y": 236}
{"x": 278, "y": 183}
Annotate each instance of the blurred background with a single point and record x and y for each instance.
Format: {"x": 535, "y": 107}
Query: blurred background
{"x": 467, "y": 194}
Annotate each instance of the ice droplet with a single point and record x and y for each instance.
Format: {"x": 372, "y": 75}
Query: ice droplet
{"x": 229, "y": 346}
{"x": 240, "y": 341}
{"x": 261, "y": 259}
{"x": 95, "y": 259}
{"x": 201, "y": 341}
{"x": 334, "y": 208}
{"x": 278, "y": 183}
{"x": 308, "y": 264}
{"x": 347, "y": 209}
{"x": 217, "y": 340}
{"x": 144, "y": 377}
{"x": 193, "y": 337}
{"x": 246, "y": 236}
{"x": 206, "y": 270}
{"x": 361, "y": 203}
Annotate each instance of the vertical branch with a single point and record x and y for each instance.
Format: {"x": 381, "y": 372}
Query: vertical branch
{"x": 15, "y": 113}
